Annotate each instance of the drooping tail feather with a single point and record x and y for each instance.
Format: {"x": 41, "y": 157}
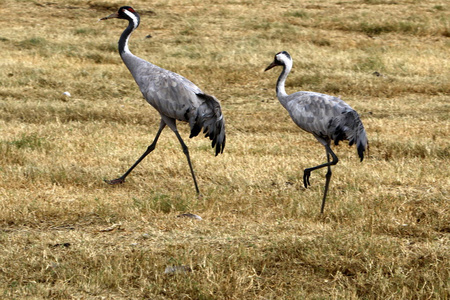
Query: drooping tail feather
{"x": 209, "y": 117}
{"x": 360, "y": 138}
{"x": 361, "y": 143}
{"x": 349, "y": 127}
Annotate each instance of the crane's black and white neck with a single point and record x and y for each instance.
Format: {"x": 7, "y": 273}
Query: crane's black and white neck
{"x": 283, "y": 59}
{"x": 126, "y": 13}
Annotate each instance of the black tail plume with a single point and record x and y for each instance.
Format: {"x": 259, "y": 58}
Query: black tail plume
{"x": 209, "y": 117}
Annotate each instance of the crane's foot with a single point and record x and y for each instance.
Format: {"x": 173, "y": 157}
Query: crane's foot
{"x": 306, "y": 175}
{"x": 115, "y": 181}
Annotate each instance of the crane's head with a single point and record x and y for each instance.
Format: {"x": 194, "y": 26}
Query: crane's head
{"x": 281, "y": 59}
{"x": 125, "y": 12}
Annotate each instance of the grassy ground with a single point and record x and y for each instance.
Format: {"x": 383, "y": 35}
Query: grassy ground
{"x": 65, "y": 234}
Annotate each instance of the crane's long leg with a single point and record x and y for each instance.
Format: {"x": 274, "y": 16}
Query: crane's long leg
{"x": 186, "y": 152}
{"x": 307, "y": 173}
{"x": 327, "y": 183}
{"x": 150, "y": 148}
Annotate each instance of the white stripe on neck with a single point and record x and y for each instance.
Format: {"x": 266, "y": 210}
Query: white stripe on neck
{"x": 135, "y": 25}
{"x": 133, "y": 17}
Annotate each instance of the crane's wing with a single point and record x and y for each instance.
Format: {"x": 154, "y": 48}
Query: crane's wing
{"x": 209, "y": 117}
{"x": 174, "y": 96}
{"x": 169, "y": 93}
{"x": 313, "y": 111}
{"x": 327, "y": 117}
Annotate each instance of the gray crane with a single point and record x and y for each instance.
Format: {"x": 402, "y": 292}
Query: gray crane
{"x": 327, "y": 117}
{"x": 172, "y": 95}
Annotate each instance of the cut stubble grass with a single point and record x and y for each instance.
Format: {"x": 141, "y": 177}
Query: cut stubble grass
{"x": 66, "y": 234}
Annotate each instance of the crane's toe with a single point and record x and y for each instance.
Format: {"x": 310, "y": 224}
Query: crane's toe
{"x": 115, "y": 181}
{"x": 306, "y": 175}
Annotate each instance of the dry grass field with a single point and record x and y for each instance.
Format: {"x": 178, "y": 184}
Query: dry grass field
{"x": 65, "y": 234}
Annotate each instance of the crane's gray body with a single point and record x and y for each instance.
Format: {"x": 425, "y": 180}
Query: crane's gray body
{"x": 327, "y": 117}
{"x": 169, "y": 93}
{"x": 176, "y": 97}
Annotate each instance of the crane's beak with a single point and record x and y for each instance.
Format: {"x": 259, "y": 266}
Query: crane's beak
{"x": 111, "y": 16}
{"x": 273, "y": 64}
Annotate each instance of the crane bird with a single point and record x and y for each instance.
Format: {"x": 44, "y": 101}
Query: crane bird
{"x": 327, "y": 117}
{"x": 172, "y": 95}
